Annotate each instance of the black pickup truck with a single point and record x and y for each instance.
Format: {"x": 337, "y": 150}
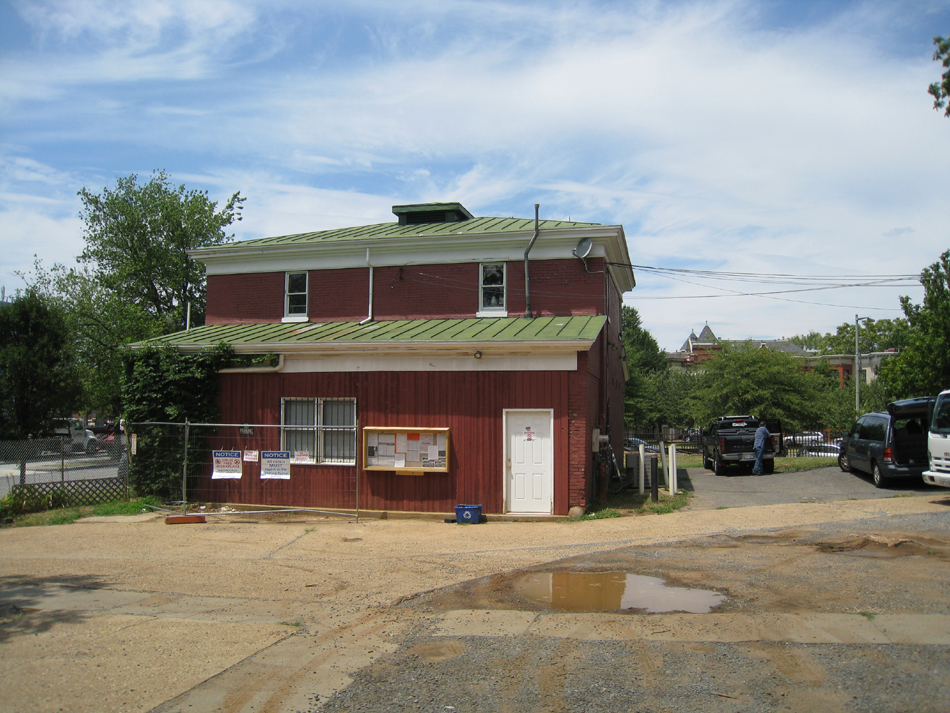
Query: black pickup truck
{"x": 730, "y": 441}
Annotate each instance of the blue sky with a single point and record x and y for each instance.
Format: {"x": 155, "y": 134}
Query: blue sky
{"x": 731, "y": 136}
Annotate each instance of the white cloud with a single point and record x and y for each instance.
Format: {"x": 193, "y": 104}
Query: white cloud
{"x": 719, "y": 140}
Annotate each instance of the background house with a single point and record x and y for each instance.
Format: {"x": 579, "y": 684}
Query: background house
{"x": 444, "y": 358}
{"x": 696, "y": 350}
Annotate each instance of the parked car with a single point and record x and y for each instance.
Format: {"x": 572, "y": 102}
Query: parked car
{"x": 80, "y": 438}
{"x": 804, "y": 438}
{"x": 633, "y": 444}
{"x": 889, "y": 444}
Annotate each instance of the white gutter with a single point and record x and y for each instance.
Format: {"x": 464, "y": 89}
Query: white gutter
{"x": 369, "y": 317}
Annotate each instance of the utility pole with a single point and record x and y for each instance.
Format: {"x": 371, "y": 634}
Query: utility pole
{"x": 857, "y": 364}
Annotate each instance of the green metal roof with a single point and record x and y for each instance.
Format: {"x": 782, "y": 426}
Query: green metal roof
{"x": 569, "y": 331}
{"x": 473, "y": 226}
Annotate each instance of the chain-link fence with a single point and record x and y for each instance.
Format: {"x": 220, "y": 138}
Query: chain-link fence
{"x": 804, "y": 444}
{"x": 270, "y": 465}
{"x": 76, "y": 474}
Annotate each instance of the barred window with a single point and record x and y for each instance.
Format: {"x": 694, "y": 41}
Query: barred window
{"x": 324, "y": 428}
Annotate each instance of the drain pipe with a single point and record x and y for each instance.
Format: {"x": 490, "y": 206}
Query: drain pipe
{"x": 369, "y": 318}
{"x": 527, "y": 279}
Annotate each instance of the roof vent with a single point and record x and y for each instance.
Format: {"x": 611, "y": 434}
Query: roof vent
{"x": 431, "y": 213}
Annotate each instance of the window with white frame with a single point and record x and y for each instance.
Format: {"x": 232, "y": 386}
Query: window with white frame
{"x": 295, "y": 295}
{"x": 323, "y": 428}
{"x": 491, "y": 288}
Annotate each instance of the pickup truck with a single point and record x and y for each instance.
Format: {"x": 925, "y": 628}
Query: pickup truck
{"x": 730, "y": 441}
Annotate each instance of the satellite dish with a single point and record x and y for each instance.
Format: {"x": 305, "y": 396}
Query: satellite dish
{"x": 583, "y": 248}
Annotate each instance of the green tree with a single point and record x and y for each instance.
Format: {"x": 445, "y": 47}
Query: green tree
{"x": 875, "y": 336}
{"x": 669, "y": 392}
{"x": 164, "y": 385}
{"x": 645, "y": 360}
{"x": 941, "y": 90}
{"x": 39, "y": 380}
{"x": 747, "y": 379}
{"x": 137, "y": 243}
{"x": 136, "y": 279}
{"x": 923, "y": 366}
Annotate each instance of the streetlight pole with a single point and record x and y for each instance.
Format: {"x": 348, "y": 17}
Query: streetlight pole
{"x": 857, "y": 364}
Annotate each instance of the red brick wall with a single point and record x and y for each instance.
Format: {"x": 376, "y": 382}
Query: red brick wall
{"x": 426, "y": 291}
{"x": 245, "y": 299}
{"x": 579, "y": 458}
{"x": 558, "y": 287}
{"x": 338, "y": 295}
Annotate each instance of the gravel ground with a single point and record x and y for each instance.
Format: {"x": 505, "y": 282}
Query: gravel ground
{"x": 871, "y": 568}
{"x": 306, "y": 614}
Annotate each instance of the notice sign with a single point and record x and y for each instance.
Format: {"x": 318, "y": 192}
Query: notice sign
{"x": 275, "y": 464}
{"x": 227, "y": 464}
{"x": 250, "y": 456}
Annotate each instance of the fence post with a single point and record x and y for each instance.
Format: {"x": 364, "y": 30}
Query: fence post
{"x": 62, "y": 460}
{"x": 666, "y": 471}
{"x": 654, "y": 480}
{"x": 671, "y": 474}
{"x": 184, "y": 473}
{"x": 643, "y": 466}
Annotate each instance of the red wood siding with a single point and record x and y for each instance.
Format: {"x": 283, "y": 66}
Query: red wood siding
{"x": 471, "y": 404}
{"x": 245, "y": 299}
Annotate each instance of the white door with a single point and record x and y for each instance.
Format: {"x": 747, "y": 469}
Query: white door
{"x": 529, "y": 461}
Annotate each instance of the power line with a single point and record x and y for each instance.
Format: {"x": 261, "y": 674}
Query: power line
{"x": 809, "y": 283}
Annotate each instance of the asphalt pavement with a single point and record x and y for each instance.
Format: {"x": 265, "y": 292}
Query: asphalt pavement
{"x": 742, "y": 489}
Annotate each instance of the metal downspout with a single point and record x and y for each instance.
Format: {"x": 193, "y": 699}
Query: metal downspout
{"x": 527, "y": 279}
{"x": 369, "y": 317}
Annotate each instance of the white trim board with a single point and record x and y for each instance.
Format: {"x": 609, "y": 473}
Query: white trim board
{"x": 352, "y": 363}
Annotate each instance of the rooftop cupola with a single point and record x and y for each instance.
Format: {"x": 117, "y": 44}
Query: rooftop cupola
{"x": 431, "y": 213}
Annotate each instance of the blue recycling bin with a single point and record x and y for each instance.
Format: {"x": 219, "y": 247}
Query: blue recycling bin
{"x": 468, "y": 514}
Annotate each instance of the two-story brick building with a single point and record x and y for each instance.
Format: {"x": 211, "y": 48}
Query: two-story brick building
{"x": 442, "y": 358}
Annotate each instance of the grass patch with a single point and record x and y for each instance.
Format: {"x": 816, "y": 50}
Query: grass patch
{"x": 66, "y": 516}
{"x": 601, "y": 514}
{"x": 796, "y": 465}
{"x": 123, "y": 507}
{"x": 782, "y": 465}
{"x": 630, "y": 502}
{"x": 869, "y": 615}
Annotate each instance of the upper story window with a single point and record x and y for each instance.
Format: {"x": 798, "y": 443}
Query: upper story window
{"x": 491, "y": 289}
{"x": 295, "y": 296}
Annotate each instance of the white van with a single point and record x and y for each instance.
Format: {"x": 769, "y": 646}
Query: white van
{"x": 938, "y": 443}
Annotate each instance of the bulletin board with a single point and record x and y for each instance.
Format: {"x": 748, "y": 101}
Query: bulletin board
{"x": 409, "y": 451}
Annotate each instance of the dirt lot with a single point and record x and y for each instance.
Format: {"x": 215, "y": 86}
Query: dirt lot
{"x": 839, "y": 605}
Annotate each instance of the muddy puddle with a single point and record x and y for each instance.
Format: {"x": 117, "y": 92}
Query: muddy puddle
{"x": 716, "y": 574}
{"x": 613, "y": 591}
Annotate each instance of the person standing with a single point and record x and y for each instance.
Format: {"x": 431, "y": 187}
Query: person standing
{"x": 761, "y": 441}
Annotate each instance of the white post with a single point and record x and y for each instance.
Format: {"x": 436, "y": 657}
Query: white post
{"x": 671, "y": 475}
{"x": 664, "y": 461}
{"x": 643, "y": 467}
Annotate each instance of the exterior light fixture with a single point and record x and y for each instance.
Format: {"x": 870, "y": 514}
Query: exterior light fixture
{"x": 477, "y": 355}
